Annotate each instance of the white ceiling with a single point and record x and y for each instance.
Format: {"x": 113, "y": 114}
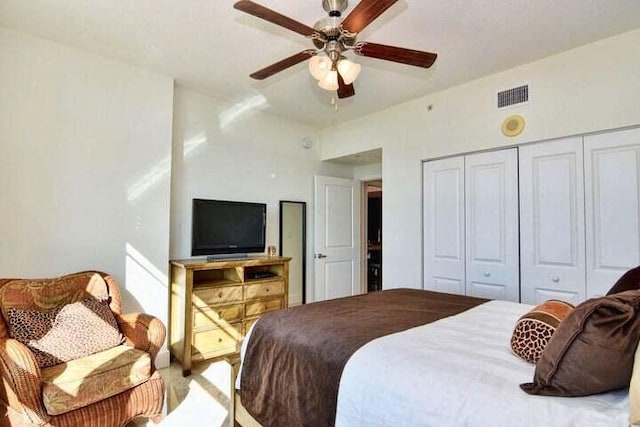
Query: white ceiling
{"x": 208, "y": 46}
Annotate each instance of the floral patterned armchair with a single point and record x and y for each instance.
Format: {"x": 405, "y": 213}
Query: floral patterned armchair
{"x": 105, "y": 388}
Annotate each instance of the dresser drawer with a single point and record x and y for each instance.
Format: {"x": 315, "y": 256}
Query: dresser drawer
{"x": 218, "y": 316}
{"x": 213, "y": 296}
{"x": 259, "y": 307}
{"x": 216, "y": 342}
{"x": 265, "y": 289}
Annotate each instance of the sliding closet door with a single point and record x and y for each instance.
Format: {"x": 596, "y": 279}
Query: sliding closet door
{"x": 491, "y": 212}
{"x": 552, "y": 228}
{"x": 612, "y": 177}
{"x": 443, "y": 225}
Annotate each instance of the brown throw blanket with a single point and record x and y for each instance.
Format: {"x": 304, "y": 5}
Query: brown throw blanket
{"x": 295, "y": 357}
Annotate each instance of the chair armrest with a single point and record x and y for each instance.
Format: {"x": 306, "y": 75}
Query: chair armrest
{"x": 21, "y": 385}
{"x": 142, "y": 331}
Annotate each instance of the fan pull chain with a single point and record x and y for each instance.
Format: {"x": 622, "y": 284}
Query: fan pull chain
{"x": 334, "y": 102}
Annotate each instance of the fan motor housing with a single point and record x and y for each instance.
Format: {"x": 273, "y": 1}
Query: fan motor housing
{"x": 331, "y": 27}
{"x": 335, "y": 6}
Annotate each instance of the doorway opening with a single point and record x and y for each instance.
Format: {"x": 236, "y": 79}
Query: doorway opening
{"x": 373, "y": 228}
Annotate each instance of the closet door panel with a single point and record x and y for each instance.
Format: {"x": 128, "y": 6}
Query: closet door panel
{"x": 491, "y": 212}
{"x": 443, "y": 225}
{"x": 612, "y": 177}
{"x": 552, "y": 230}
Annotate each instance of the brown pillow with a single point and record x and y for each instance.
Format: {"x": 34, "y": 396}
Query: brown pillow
{"x": 629, "y": 281}
{"x": 66, "y": 333}
{"x": 592, "y": 350}
{"x": 534, "y": 330}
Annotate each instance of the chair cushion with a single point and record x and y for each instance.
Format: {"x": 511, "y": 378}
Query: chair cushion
{"x": 83, "y": 381}
{"x": 66, "y": 333}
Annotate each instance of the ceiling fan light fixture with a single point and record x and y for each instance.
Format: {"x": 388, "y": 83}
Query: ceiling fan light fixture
{"x": 319, "y": 66}
{"x": 332, "y": 36}
{"x": 330, "y": 81}
{"x": 348, "y": 70}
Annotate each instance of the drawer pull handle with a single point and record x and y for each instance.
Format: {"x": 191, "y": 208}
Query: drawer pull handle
{"x": 219, "y": 294}
{"x": 219, "y": 339}
{"x": 487, "y": 274}
{"x": 266, "y": 289}
{"x": 556, "y": 279}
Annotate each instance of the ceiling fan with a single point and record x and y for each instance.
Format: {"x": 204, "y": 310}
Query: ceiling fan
{"x": 332, "y": 37}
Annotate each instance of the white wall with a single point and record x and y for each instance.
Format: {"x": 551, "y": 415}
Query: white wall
{"x": 368, "y": 172}
{"x": 235, "y": 152}
{"x": 84, "y": 166}
{"x": 592, "y": 88}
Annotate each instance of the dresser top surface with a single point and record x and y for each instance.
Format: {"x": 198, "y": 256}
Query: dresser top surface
{"x": 226, "y": 263}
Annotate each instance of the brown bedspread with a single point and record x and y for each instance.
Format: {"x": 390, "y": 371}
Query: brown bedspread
{"x": 295, "y": 357}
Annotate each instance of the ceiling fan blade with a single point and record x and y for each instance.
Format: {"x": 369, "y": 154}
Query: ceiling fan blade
{"x": 396, "y": 54}
{"x": 365, "y": 13}
{"x": 274, "y": 17}
{"x": 283, "y": 65}
{"x": 344, "y": 90}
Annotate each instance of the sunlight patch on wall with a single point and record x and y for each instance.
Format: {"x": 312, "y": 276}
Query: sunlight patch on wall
{"x": 162, "y": 170}
{"x": 192, "y": 144}
{"x": 148, "y": 180}
{"x": 241, "y": 109}
{"x": 146, "y": 283}
{"x": 143, "y": 262}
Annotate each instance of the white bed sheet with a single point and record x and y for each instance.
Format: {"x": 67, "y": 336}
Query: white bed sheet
{"x": 243, "y": 350}
{"x": 459, "y": 371}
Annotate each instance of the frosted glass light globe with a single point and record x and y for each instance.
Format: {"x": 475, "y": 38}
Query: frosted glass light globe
{"x": 348, "y": 70}
{"x": 330, "y": 81}
{"x": 319, "y": 66}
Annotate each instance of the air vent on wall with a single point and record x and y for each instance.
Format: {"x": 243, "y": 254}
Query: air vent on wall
{"x": 516, "y": 95}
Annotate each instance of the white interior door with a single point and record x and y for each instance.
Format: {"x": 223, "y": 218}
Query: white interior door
{"x": 337, "y": 237}
{"x": 491, "y": 232}
{"x": 443, "y": 225}
{"x": 612, "y": 177}
{"x": 552, "y": 228}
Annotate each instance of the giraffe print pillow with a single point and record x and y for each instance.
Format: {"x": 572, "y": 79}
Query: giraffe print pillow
{"x": 534, "y": 330}
{"x": 66, "y": 333}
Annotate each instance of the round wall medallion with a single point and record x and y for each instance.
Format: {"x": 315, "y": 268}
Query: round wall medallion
{"x": 513, "y": 126}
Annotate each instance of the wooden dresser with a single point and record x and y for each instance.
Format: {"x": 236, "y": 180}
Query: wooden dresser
{"x": 214, "y": 303}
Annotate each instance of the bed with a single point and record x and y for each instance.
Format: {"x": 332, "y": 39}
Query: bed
{"x": 444, "y": 361}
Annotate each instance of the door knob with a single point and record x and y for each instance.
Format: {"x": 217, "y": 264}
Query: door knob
{"x": 319, "y": 256}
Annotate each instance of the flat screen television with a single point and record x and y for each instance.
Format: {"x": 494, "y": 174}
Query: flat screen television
{"x": 224, "y": 227}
